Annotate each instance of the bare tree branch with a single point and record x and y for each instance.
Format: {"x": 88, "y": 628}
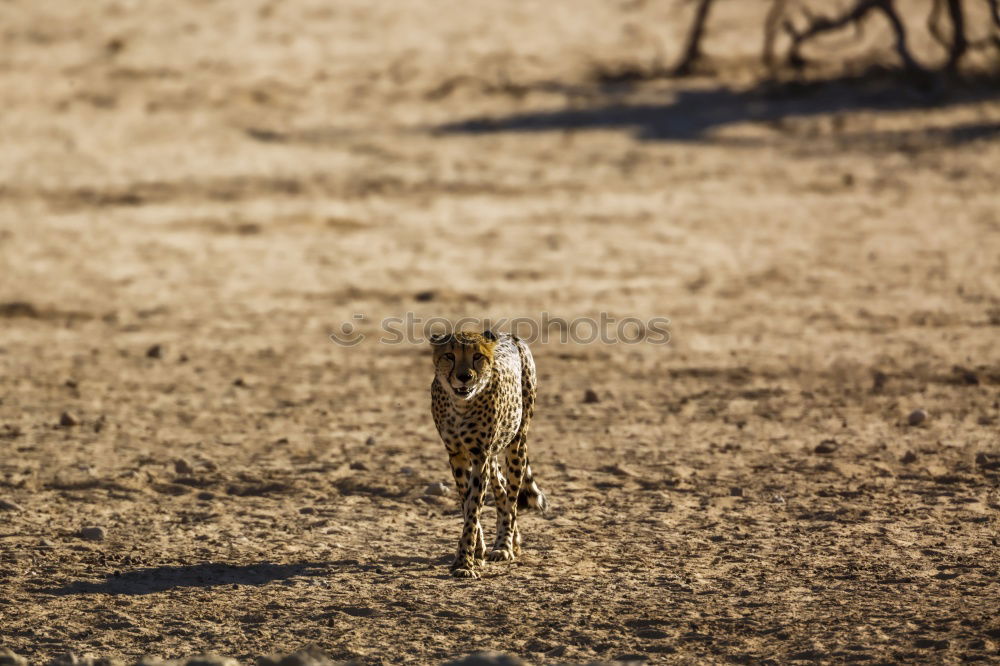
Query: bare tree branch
{"x": 692, "y": 52}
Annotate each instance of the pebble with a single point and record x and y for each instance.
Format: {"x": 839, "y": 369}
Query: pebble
{"x": 438, "y": 489}
{"x": 206, "y": 496}
{"x": 908, "y": 457}
{"x": 916, "y": 417}
{"x": 7, "y": 505}
{"x": 360, "y": 466}
{"x": 826, "y": 446}
{"x": 92, "y": 533}
{"x": 67, "y": 420}
{"x": 182, "y": 466}
{"x": 370, "y": 441}
{"x": 156, "y": 351}
{"x": 424, "y": 296}
{"x": 590, "y": 396}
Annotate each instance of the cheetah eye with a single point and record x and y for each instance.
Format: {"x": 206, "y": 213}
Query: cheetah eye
{"x": 478, "y": 357}
{"x": 448, "y": 357}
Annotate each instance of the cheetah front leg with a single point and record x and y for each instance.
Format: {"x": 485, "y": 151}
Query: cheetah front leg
{"x": 460, "y": 471}
{"x": 472, "y": 544}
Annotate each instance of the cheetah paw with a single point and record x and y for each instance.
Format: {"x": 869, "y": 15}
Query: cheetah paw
{"x": 505, "y": 555}
{"x": 463, "y": 572}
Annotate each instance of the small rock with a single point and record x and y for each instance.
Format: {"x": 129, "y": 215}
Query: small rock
{"x": 590, "y": 396}
{"x": 45, "y": 543}
{"x": 407, "y": 471}
{"x": 308, "y": 510}
{"x": 735, "y": 492}
{"x": 916, "y": 417}
{"x": 67, "y": 420}
{"x": 205, "y": 496}
{"x": 93, "y": 533}
{"x": 370, "y": 441}
{"x": 827, "y": 446}
{"x": 360, "y": 466}
{"x": 438, "y": 489}
{"x": 908, "y": 458}
{"x": 10, "y": 658}
{"x": 239, "y": 381}
{"x": 182, "y": 466}
{"x": 156, "y": 351}
{"x": 424, "y": 296}
{"x": 7, "y": 505}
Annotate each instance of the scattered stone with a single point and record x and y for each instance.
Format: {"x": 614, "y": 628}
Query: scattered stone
{"x": 735, "y": 492}
{"x": 182, "y": 466}
{"x": 308, "y": 510}
{"x": 67, "y": 420}
{"x": 917, "y": 417}
{"x": 93, "y": 533}
{"x": 7, "y": 505}
{"x": 100, "y": 423}
{"x": 590, "y": 397}
{"x": 205, "y": 496}
{"x": 487, "y": 659}
{"x": 438, "y": 489}
{"x": 10, "y": 658}
{"x": 360, "y": 466}
{"x": 370, "y": 441}
{"x": 156, "y": 351}
{"x": 908, "y": 458}
{"x": 425, "y": 296}
{"x": 407, "y": 471}
{"x": 826, "y": 447}
{"x": 239, "y": 381}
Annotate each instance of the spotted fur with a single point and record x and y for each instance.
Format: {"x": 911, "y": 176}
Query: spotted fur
{"x": 482, "y": 398}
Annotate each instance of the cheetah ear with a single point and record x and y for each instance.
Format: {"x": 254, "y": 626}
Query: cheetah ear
{"x": 440, "y": 338}
{"x": 490, "y": 335}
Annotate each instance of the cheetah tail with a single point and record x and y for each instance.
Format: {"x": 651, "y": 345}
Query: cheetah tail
{"x": 531, "y": 496}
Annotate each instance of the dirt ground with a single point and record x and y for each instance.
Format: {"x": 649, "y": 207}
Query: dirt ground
{"x": 194, "y": 195}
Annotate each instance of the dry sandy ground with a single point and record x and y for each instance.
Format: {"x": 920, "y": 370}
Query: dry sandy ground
{"x": 233, "y": 180}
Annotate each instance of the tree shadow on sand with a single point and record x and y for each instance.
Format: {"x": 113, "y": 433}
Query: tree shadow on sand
{"x": 161, "y": 579}
{"x": 693, "y": 114}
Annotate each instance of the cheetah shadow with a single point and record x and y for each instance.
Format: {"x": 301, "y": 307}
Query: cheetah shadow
{"x": 161, "y": 579}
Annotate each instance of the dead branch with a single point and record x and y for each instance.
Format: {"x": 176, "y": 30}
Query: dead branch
{"x": 692, "y": 51}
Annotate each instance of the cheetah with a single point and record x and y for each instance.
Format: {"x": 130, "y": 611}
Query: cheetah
{"x": 482, "y": 398}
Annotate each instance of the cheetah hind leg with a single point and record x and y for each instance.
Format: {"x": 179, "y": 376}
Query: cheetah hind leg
{"x": 502, "y": 500}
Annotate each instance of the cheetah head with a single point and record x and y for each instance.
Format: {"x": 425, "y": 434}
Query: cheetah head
{"x": 463, "y": 362}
